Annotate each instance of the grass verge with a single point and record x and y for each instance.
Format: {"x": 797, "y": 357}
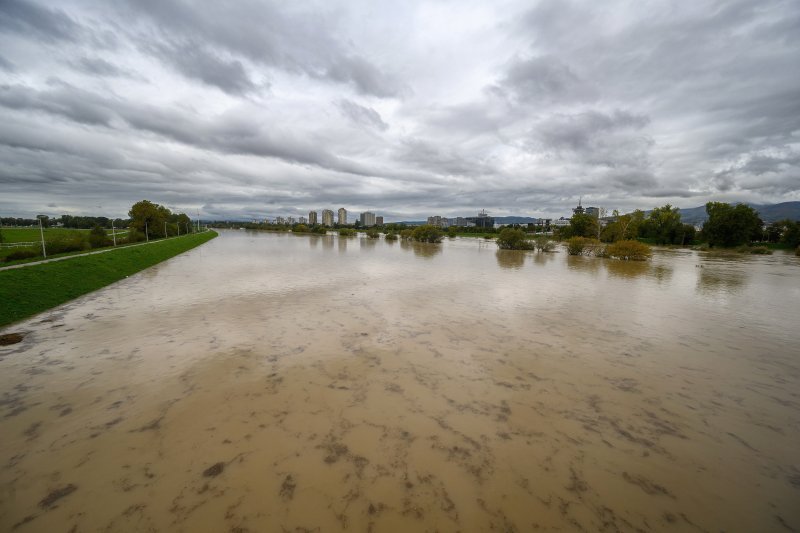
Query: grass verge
{"x": 30, "y": 290}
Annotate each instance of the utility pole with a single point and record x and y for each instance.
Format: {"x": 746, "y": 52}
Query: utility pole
{"x": 113, "y": 233}
{"x": 165, "y": 229}
{"x": 41, "y": 230}
{"x": 146, "y": 234}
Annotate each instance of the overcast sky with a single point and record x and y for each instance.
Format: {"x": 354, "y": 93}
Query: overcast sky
{"x": 254, "y": 108}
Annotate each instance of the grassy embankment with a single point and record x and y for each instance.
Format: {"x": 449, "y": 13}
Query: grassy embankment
{"x": 30, "y": 290}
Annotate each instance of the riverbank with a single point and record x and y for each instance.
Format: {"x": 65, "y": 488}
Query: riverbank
{"x": 36, "y": 288}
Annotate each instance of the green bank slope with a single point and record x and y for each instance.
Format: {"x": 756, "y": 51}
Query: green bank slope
{"x": 30, "y": 290}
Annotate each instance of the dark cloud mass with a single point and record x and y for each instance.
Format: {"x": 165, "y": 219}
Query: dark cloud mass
{"x": 264, "y": 108}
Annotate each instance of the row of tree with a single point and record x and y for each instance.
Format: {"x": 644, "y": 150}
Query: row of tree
{"x": 727, "y": 225}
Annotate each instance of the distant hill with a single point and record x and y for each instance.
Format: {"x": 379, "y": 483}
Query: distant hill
{"x": 694, "y": 215}
{"x": 769, "y": 212}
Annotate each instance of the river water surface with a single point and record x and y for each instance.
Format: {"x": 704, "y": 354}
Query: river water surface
{"x": 273, "y": 382}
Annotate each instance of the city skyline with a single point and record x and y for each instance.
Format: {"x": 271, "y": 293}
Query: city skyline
{"x": 232, "y": 111}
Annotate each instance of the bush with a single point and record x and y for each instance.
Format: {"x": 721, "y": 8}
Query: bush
{"x": 391, "y": 236}
{"x": 579, "y": 246}
{"x": 373, "y": 234}
{"x": 64, "y": 244}
{"x": 347, "y": 232}
{"x": 427, "y": 233}
{"x": 451, "y": 232}
{"x": 629, "y": 251}
{"x": 98, "y": 237}
{"x": 513, "y": 239}
{"x": 22, "y": 253}
{"x": 760, "y": 250}
{"x": 544, "y": 244}
{"x": 406, "y": 234}
{"x": 300, "y": 228}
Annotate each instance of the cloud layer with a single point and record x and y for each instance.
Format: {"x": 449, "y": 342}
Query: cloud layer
{"x": 259, "y": 108}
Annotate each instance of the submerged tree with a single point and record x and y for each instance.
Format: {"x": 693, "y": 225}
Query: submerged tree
{"x": 730, "y": 225}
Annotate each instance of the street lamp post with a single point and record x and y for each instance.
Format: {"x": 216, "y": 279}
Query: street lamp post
{"x": 41, "y": 230}
{"x": 113, "y": 233}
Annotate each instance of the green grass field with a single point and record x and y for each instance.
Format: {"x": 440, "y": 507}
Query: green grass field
{"x": 11, "y": 235}
{"x": 30, "y": 290}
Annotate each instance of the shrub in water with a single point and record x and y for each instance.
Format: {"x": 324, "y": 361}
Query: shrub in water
{"x": 346, "y": 232}
{"x": 760, "y": 250}
{"x": 373, "y": 234}
{"x": 406, "y": 234}
{"x": 391, "y": 236}
{"x": 513, "y": 239}
{"x": 427, "y": 233}
{"x": 578, "y": 245}
{"x": 544, "y": 244}
{"x": 629, "y": 250}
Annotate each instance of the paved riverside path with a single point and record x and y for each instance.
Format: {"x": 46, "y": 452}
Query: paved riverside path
{"x": 111, "y": 249}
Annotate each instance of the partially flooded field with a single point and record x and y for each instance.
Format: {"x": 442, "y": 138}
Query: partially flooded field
{"x": 271, "y": 382}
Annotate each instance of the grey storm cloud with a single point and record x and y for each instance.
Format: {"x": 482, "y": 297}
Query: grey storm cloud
{"x": 359, "y": 114}
{"x": 195, "y": 60}
{"x": 259, "y": 108}
{"x": 29, "y": 18}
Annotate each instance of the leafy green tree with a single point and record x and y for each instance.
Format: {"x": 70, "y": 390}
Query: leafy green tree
{"x": 663, "y": 225}
{"x": 427, "y": 233}
{"x": 624, "y": 227}
{"x": 513, "y": 239}
{"x": 580, "y": 225}
{"x": 300, "y": 228}
{"x": 729, "y": 225}
{"x": 452, "y": 232}
{"x": 149, "y": 217}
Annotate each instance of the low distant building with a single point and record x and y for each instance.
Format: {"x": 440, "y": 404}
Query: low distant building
{"x": 312, "y": 217}
{"x": 303, "y": 220}
{"x": 379, "y": 221}
{"x": 367, "y": 219}
{"x": 290, "y": 220}
{"x": 483, "y": 220}
{"x": 458, "y": 221}
{"x": 327, "y": 217}
{"x": 560, "y": 222}
{"x": 342, "y": 216}
{"x": 280, "y": 220}
{"x": 435, "y": 221}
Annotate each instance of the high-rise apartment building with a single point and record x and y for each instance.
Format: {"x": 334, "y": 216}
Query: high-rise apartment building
{"x": 367, "y": 219}
{"x": 327, "y": 217}
{"x": 379, "y": 221}
{"x": 342, "y": 216}
{"x": 312, "y": 217}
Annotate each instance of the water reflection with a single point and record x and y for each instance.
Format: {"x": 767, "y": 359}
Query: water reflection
{"x": 542, "y": 258}
{"x": 711, "y": 279}
{"x": 368, "y": 243}
{"x": 513, "y": 259}
{"x": 327, "y": 241}
{"x": 422, "y": 249}
{"x": 341, "y": 243}
{"x": 588, "y": 265}
{"x": 627, "y": 269}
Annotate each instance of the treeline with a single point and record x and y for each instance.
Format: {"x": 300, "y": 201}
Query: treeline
{"x": 728, "y": 225}
{"x": 66, "y": 221}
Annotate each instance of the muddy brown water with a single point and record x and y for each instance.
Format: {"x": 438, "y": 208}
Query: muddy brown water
{"x": 269, "y": 382}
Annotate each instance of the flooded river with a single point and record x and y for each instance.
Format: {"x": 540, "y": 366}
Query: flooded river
{"x": 272, "y": 382}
